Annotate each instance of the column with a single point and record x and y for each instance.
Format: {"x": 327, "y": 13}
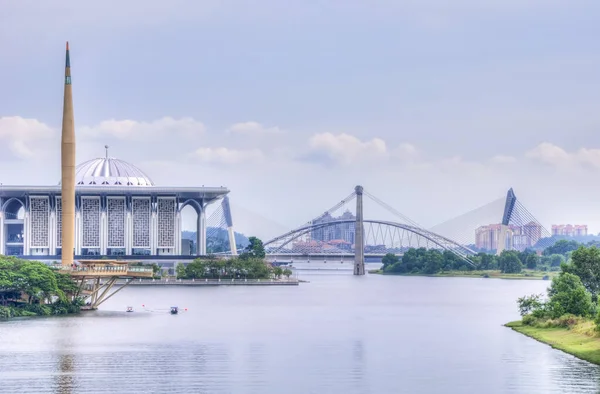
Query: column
{"x": 201, "y": 233}
{"x": 359, "y": 243}
{"x": 128, "y": 231}
{"x": 26, "y": 232}
{"x": 153, "y": 233}
{"x": 2, "y": 234}
{"x": 177, "y": 250}
{"x": 77, "y": 234}
{"x": 52, "y": 232}
{"x": 103, "y": 231}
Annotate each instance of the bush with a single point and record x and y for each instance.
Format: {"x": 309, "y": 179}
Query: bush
{"x": 529, "y": 320}
{"x": 37, "y": 309}
{"x": 568, "y": 320}
{"x": 64, "y": 308}
{"x": 5, "y": 312}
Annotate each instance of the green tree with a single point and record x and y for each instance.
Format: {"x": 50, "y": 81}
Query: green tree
{"x": 556, "y": 260}
{"x": 487, "y": 261}
{"x": 561, "y": 247}
{"x": 255, "y": 249}
{"x": 585, "y": 263}
{"x": 38, "y": 281}
{"x": 532, "y": 261}
{"x": 389, "y": 259}
{"x": 287, "y": 273}
{"x": 528, "y": 304}
{"x": 434, "y": 261}
{"x": 568, "y": 295}
{"x": 277, "y": 272}
{"x": 509, "y": 262}
{"x": 181, "y": 271}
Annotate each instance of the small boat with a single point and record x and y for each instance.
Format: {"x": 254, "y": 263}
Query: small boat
{"x": 129, "y": 309}
{"x": 174, "y": 310}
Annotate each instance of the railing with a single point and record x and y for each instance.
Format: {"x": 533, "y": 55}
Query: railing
{"x": 238, "y": 281}
{"x": 109, "y": 269}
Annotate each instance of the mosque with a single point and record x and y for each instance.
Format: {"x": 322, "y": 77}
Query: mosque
{"x": 113, "y": 209}
{"x": 119, "y": 211}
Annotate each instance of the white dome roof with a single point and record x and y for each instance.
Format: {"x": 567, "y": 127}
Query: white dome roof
{"x": 108, "y": 171}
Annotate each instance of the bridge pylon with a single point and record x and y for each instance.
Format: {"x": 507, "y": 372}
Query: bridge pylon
{"x": 359, "y": 241}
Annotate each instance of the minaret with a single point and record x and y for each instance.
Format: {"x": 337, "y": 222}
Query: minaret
{"x": 67, "y": 150}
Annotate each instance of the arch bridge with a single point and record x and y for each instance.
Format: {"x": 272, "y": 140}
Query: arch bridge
{"x": 351, "y": 235}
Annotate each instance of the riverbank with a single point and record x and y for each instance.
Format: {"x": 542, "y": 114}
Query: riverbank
{"x": 213, "y": 282}
{"x": 525, "y": 274}
{"x": 580, "y": 340}
{"x": 31, "y": 310}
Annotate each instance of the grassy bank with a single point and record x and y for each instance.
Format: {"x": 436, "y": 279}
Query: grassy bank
{"x": 580, "y": 340}
{"x": 525, "y": 274}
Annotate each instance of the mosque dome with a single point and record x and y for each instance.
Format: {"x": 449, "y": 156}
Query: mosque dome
{"x": 108, "y": 171}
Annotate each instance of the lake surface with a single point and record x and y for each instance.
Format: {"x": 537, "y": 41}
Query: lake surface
{"x": 336, "y": 334}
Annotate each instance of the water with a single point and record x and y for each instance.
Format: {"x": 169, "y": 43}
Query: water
{"x": 337, "y": 334}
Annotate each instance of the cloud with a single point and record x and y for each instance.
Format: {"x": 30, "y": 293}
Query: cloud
{"x": 25, "y": 138}
{"x": 554, "y": 155}
{"x": 346, "y": 148}
{"x": 503, "y": 159}
{"x": 548, "y": 153}
{"x": 227, "y": 156}
{"x": 407, "y": 152}
{"x": 135, "y": 130}
{"x": 253, "y": 128}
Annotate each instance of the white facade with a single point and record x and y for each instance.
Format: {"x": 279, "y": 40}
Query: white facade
{"x": 119, "y": 212}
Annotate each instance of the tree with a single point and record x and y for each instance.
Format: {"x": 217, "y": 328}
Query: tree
{"x": 556, "y": 260}
{"x": 255, "y": 249}
{"x": 509, "y": 262}
{"x": 532, "y": 261}
{"x": 287, "y": 273}
{"x": 585, "y": 263}
{"x": 568, "y": 295}
{"x": 434, "y": 261}
{"x": 561, "y": 247}
{"x": 277, "y": 272}
{"x": 389, "y": 260}
{"x": 528, "y": 304}
{"x": 487, "y": 261}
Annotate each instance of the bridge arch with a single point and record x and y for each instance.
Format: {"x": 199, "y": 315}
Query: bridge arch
{"x": 278, "y": 244}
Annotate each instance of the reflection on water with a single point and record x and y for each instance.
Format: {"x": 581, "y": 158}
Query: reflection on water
{"x": 336, "y": 334}
{"x": 64, "y": 376}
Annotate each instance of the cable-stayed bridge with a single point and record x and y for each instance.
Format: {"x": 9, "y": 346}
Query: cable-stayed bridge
{"x": 343, "y": 232}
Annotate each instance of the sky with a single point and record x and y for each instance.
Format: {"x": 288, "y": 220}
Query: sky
{"x": 435, "y": 107}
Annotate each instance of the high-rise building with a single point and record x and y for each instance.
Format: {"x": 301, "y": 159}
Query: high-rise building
{"x": 341, "y": 231}
{"x": 517, "y": 237}
{"x": 570, "y": 230}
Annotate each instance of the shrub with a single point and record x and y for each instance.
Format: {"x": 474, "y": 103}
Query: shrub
{"x": 528, "y": 304}
{"x": 5, "y": 312}
{"x": 37, "y": 309}
{"x": 568, "y": 320}
{"x": 529, "y": 320}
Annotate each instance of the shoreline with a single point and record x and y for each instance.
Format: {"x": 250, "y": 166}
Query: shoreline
{"x": 213, "y": 282}
{"x": 580, "y": 341}
{"x": 486, "y": 274}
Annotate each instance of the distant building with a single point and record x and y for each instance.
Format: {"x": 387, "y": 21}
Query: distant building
{"x": 517, "y": 237}
{"x": 342, "y": 231}
{"x": 569, "y": 230}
